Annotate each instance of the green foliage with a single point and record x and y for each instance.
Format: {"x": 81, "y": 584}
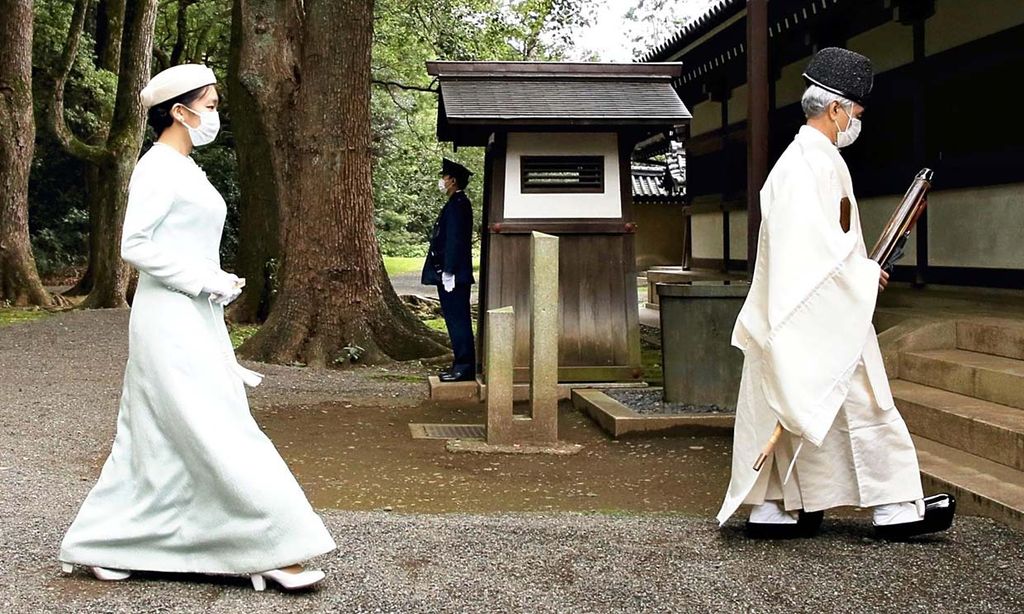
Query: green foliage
{"x": 239, "y": 333}
{"x": 404, "y": 106}
{"x": 17, "y": 315}
{"x": 408, "y": 33}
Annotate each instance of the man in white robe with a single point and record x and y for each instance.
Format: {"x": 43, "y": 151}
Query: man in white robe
{"x": 811, "y": 356}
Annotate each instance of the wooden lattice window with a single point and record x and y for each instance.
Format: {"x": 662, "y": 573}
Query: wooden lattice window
{"x": 559, "y": 174}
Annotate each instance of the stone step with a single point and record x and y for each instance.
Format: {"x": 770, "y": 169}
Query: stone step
{"x": 995, "y": 336}
{"x": 983, "y": 376}
{"x": 982, "y": 428}
{"x": 981, "y": 487}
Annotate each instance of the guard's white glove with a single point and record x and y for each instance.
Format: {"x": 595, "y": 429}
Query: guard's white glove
{"x": 448, "y": 279}
{"x": 223, "y": 287}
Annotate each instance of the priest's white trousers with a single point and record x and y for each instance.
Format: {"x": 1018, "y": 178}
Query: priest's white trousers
{"x": 867, "y": 459}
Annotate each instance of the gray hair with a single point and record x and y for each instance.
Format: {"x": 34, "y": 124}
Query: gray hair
{"x": 816, "y": 99}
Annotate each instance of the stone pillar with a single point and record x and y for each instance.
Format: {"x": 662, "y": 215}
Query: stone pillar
{"x": 500, "y": 344}
{"x": 544, "y": 327}
{"x": 541, "y": 426}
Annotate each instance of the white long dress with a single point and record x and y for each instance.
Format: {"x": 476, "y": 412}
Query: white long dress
{"x": 811, "y": 355}
{"x": 191, "y": 484}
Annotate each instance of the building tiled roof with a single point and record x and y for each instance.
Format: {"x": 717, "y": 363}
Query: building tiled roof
{"x": 503, "y": 99}
{"x": 556, "y": 93}
{"x": 715, "y": 15}
{"x": 649, "y": 184}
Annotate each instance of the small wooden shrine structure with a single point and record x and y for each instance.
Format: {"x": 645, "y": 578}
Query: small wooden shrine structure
{"x": 560, "y": 139}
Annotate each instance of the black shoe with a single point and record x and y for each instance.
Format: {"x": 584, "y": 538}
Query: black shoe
{"x": 938, "y": 516}
{"x": 807, "y": 525}
{"x": 458, "y": 376}
{"x": 444, "y": 372}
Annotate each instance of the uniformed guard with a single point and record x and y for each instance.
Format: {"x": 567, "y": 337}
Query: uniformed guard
{"x": 449, "y": 266}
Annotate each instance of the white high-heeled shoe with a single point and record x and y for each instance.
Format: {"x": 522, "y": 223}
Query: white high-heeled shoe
{"x": 287, "y": 580}
{"x": 101, "y": 573}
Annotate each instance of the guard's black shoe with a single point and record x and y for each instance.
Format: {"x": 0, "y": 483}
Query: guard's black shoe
{"x": 458, "y": 376}
{"x": 807, "y": 525}
{"x": 938, "y": 516}
{"x": 444, "y": 372}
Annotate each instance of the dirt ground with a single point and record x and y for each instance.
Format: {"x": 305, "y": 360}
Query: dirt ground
{"x": 355, "y": 456}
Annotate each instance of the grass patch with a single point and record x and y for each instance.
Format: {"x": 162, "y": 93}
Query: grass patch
{"x": 651, "y": 359}
{"x": 397, "y": 265}
{"x": 240, "y": 332}
{"x": 17, "y": 315}
{"x": 436, "y": 324}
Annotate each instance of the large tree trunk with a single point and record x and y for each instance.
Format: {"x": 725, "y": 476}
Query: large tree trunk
{"x": 258, "y": 46}
{"x": 109, "y": 34}
{"x": 19, "y": 279}
{"x": 114, "y": 159}
{"x": 335, "y": 301}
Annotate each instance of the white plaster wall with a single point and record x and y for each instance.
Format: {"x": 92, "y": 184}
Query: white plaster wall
{"x": 874, "y": 213}
{"x": 604, "y": 205}
{"x": 707, "y": 116}
{"x": 790, "y": 86}
{"x": 977, "y": 227}
{"x": 889, "y": 46}
{"x": 707, "y": 235}
{"x": 738, "y": 235}
{"x": 956, "y": 22}
{"x": 974, "y": 227}
{"x": 738, "y": 104}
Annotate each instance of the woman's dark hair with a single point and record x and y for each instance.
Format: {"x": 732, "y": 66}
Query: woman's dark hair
{"x": 160, "y": 115}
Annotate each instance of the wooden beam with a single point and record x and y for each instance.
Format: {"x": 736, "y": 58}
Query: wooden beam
{"x": 757, "y": 119}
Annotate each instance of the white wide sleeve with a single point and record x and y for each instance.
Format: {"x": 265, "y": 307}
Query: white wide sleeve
{"x": 822, "y": 294}
{"x": 149, "y": 201}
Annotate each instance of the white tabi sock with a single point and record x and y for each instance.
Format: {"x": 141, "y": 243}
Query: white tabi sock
{"x": 772, "y": 512}
{"x": 899, "y": 513}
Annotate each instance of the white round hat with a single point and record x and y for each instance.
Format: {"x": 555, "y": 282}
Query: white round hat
{"x": 175, "y": 81}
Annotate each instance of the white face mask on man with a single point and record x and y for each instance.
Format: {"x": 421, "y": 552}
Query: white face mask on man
{"x": 441, "y": 185}
{"x": 209, "y": 126}
{"x": 845, "y": 138}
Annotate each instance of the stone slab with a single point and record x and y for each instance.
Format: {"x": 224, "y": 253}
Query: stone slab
{"x": 521, "y": 391}
{"x": 452, "y": 391}
{"x": 991, "y": 336}
{"x": 989, "y": 430}
{"x": 479, "y": 446}
{"x": 618, "y": 420}
{"x": 984, "y": 376}
{"x": 982, "y": 488}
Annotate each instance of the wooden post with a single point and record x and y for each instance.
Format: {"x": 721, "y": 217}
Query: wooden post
{"x": 757, "y": 119}
{"x": 920, "y": 151}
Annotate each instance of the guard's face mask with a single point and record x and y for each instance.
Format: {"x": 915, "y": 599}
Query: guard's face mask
{"x": 845, "y": 138}
{"x": 441, "y": 185}
{"x": 209, "y": 126}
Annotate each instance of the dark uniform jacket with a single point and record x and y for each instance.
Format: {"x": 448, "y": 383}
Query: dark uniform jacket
{"x": 451, "y": 243}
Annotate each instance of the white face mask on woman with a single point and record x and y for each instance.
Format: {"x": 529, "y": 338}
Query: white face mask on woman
{"x": 209, "y": 126}
{"x": 845, "y": 138}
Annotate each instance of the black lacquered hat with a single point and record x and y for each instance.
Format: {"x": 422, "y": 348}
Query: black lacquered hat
{"x": 454, "y": 169}
{"x": 843, "y": 72}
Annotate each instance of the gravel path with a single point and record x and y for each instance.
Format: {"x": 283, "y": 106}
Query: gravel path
{"x": 59, "y": 385}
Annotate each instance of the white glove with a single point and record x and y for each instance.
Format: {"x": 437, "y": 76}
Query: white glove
{"x": 448, "y": 279}
{"x": 223, "y": 287}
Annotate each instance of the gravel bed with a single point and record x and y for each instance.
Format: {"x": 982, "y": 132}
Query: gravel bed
{"x": 649, "y": 401}
{"x": 59, "y": 384}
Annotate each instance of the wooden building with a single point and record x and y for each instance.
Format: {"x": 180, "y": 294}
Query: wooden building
{"x": 658, "y": 211}
{"x": 559, "y": 138}
{"x": 943, "y": 98}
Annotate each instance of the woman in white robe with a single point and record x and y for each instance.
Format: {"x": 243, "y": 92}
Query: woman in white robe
{"x": 191, "y": 484}
{"x": 811, "y": 356}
